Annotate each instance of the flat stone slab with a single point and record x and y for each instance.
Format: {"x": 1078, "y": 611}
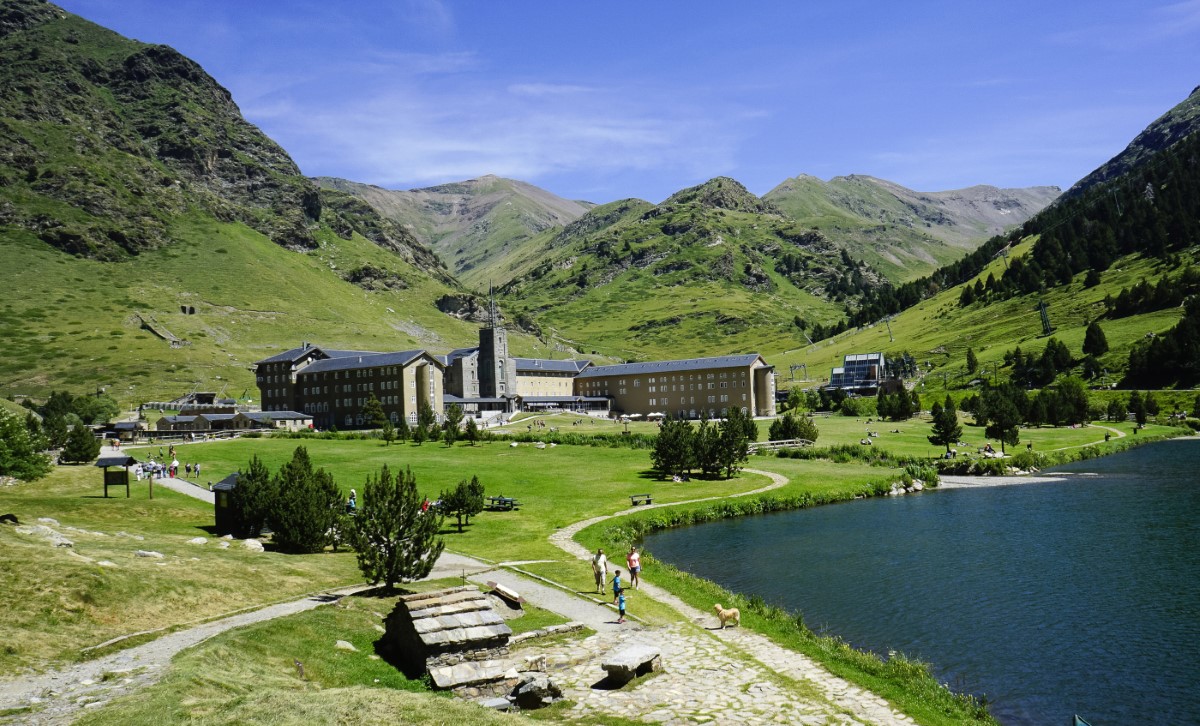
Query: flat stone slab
{"x": 626, "y": 664}
{"x": 471, "y": 673}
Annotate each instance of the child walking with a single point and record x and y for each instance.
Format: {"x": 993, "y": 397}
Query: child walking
{"x": 621, "y": 607}
{"x": 616, "y": 586}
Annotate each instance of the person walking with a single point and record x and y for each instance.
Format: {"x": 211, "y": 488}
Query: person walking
{"x": 634, "y": 560}
{"x": 616, "y": 586}
{"x": 621, "y": 607}
{"x": 600, "y": 570}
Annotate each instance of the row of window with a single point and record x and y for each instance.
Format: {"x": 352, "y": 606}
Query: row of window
{"x": 684, "y": 400}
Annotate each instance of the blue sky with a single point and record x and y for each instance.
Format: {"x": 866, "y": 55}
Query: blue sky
{"x": 602, "y": 101}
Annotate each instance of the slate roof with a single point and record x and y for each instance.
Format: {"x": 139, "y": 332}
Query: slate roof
{"x": 671, "y": 366}
{"x": 227, "y": 483}
{"x": 457, "y": 353}
{"x": 366, "y": 360}
{"x": 288, "y": 356}
{"x": 455, "y": 619}
{"x": 535, "y": 365}
{"x": 277, "y": 415}
{"x": 116, "y": 460}
{"x": 178, "y": 419}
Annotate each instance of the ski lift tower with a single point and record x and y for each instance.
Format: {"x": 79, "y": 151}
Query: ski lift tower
{"x": 1043, "y": 311}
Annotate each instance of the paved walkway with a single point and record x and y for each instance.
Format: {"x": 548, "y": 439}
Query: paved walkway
{"x": 725, "y": 676}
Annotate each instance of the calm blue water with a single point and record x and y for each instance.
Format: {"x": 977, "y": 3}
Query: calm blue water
{"x": 1052, "y": 599}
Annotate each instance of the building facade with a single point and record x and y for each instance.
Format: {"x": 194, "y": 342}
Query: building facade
{"x": 332, "y": 386}
{"x": 692, "y": 388}
{"x": 860, "y": 373}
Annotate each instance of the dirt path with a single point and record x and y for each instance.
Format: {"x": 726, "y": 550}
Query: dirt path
{"x": 58, "y": 695}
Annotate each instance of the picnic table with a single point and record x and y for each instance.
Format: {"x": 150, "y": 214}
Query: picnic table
{"x": 503, "y": 504}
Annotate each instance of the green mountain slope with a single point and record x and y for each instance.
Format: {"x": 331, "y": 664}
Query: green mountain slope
{"x": 156, "y": 242}
{"x": 1120, "y": 253}
{"x": 711, "y": 270}
{"x": 1166, "y": 131}
{"x": 900, "y": 232}
{"x": 479, "y": 227}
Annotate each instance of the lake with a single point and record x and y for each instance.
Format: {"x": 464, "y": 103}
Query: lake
{"x": 1076, "y": 596}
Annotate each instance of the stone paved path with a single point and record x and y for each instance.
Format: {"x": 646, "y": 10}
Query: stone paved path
{"x": 726, "y": 676}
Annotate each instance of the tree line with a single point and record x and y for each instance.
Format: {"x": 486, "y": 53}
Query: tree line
{"x": 714, "y": 449}
{"x": 393, "y": 530}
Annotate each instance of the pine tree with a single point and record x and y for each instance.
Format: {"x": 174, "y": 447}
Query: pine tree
{"x": 372, "y": 412}
{"x": 57, "y": 431}
{"x": 464, "y": 501}
{"x": 1003, "y": 418}
{"x": 395, "y": 541}
{"x": 305, "y": 505}
{"x": 251, "y": 499}
{"x": 1094, "y": 342}
{"x": 673, "y": 448}
{"x": 471, "y": 431}
{"x": 946, "y": 428}
{"x": 454, "y": 417}
{"x": 388, "y": 432}
{"x": 734, "y": 447}
{"x": 972, "y": 361}
{"x": 82, "y": 446}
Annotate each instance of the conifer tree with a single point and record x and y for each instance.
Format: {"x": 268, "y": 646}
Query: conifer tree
{"x": 372, "y": 412}
{"x": 395, "y": 541}
{"x": 454, "y": 417}
{"x": 388, "y": 432}
{"x": 734, "y": 441}
{"x": 305, "y": 505}
{"x": 251, "y": 499}
{"x": 946, "y": 428}
{"x": 471, "y": 431}
{"x": 673, "y": 448}
{"x": 1094, "y": 342}
{"x": 82, "y": 445}
{"x": 972, "y": 361}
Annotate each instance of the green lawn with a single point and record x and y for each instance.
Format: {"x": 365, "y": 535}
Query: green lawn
{"x": 59, "y": 600}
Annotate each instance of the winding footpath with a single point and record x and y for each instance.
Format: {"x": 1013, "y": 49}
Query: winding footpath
{"x": 710, "y": 674}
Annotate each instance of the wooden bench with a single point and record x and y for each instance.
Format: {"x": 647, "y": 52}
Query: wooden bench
{"x": 636, "y": 499}
{"x": 637, "y": 660}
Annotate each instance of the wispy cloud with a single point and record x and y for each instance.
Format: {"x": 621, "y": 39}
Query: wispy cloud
{"x": 414, "y": 134}
{"x": 1153, "y": 25}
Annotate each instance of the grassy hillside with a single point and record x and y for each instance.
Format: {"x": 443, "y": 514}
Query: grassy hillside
{"x": 900, "y": 232}
{"x": 476, "y": 226}
{"x": 76, "y": 323}
{"x": 701, "y": 274}
{"x": 939, "y": 330}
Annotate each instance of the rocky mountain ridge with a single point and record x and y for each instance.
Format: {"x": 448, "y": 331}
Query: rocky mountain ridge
{"x": 106, "y": 141}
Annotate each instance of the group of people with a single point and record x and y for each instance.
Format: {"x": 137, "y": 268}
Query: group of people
{"x": 600, "y": 570}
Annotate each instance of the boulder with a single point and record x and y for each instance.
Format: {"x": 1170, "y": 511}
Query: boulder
{"x": 253, "y": 545}
{"x": 149, "y": 553}
{"x": 636, "y": 660}
{"x": 536, "y": 690}
{"x": 51, "y": 536}
{"x": 197, "y": 541}
{"x": 344, "y": 645}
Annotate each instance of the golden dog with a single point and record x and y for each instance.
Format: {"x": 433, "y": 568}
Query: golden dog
{"x": 726, "y": 615}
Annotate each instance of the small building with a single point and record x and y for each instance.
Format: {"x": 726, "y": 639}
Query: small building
{"x": 860, "y": 374}
{"x": 454, "y": 634}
